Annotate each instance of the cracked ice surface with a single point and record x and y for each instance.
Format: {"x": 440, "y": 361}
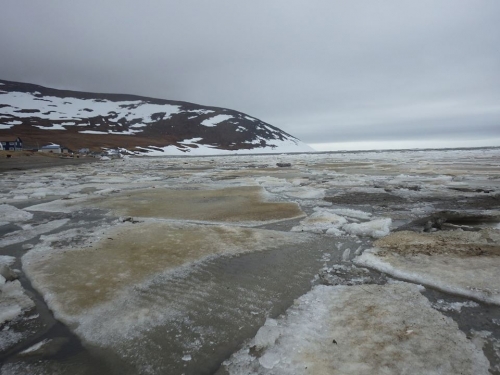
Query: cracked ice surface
{"x": 29, "y": 232}
{"x": 462, "y": 263}
{"x": 142, "y": 291}
{"x": 364, "y": 329}
{"x": 114, "y": 291}
{"x": 13, "y": 304}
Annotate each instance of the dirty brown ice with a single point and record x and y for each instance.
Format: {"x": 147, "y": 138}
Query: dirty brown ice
{"x": 339, "y": 263}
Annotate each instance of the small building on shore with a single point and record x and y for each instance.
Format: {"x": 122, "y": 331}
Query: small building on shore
{"x": 16, "y": 145}
{"x": 51, "y": 148}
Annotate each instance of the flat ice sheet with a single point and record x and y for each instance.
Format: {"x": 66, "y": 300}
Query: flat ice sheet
{"x": 364, "y": 329}
{"x": 463, "y": 263}
{"x": 76, "y": 280}
{"x": 12, "y": 214}
{"x": 235, "y": 204}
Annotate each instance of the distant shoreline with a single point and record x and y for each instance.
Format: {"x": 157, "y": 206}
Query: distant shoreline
{"x": 22, "y": 161}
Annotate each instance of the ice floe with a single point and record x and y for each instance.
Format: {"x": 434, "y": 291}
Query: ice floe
{"x": 442, "y": 305}
{"x": 321, "y": 221}
{"x": 375, "y": 228}
{"x": 243, "y": 204}
{"x": 29, "y": 232}
{"x": 13, "y": 303}
{"x": 305, "y": 193}
{"x": 457, "y": 262}
{"x": 75, "y": 280}
{"x": 12, "y": 214}
{"x": 115, "y": 291}
{"x": 366, "y": 329}
{"x": 357, "y": 214}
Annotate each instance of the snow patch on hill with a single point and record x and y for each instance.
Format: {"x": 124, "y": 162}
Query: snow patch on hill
{"x": 163, "y": 122}
{"x": 212, "y": 121}
{"x": 25, "y": 105}
{"x": 192, "y": 148}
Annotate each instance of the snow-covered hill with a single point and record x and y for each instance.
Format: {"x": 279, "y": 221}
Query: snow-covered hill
{"x": 156, "y": 127}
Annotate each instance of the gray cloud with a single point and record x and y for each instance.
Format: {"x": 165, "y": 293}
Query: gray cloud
{"x": 323, "y": 71}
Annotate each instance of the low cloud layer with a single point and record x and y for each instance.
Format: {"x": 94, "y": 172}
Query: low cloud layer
{"x": 323, "y": 71}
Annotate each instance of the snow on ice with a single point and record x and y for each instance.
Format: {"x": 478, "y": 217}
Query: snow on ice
{"x": 458, "y": 262}
{"x": 320, "y": 221}
{"x": 375, "y": 228}
{"x": 365, "y": 329}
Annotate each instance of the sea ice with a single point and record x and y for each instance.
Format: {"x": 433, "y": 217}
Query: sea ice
{"x": 352, "y": 213}
{"x": 31, "y": 232}
{"x": 77, "y": 280}
{"x": 375, "y": 228}
{"x": 12, "y": 214}
{"x": 267, "y": 334}
{"x": 13, "y": 300}
{"x": 332, "y": 231}
{"x": 244, "y": 204}
{"x": 320, "y": 221}
{"x": 457, "y": 262}
{"x": 346, "y": 255}
{"x": 453, "y": 306}
{"x": 35, "y": 347}
{"x": 131, "y": 287}
{"x": 365, "y": 329}
{"x": 305, "y": 193}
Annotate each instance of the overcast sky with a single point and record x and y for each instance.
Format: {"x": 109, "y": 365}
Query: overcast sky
{"x": 327, "y": 71}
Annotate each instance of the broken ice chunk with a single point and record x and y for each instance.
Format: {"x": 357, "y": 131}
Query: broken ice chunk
{"x": 375, "y": 228}
{"x": 12, "y": 214}
{"x": 267, "y": 334}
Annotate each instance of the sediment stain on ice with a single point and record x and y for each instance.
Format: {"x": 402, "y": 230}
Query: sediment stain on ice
{"x": 459, "y": 262}
{"x": 233, "y": 204}
{"x": 363, "y": 329}
{"x": 136, "y": 305}
{"x": 79, "y": 279}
